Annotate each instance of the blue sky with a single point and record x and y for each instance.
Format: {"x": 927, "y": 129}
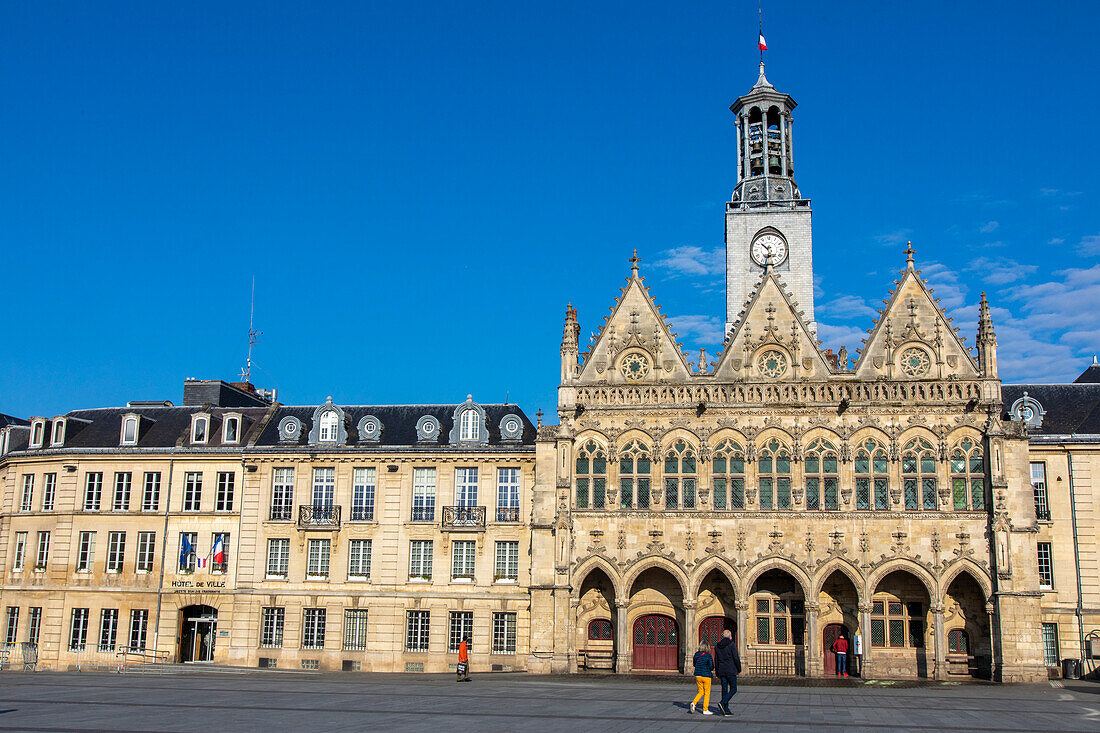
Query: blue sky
{"x": 420, "y": 188}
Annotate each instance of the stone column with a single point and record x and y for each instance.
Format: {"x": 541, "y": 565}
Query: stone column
{"x": 814, "y": 663}
{"x": 573, "y": 635}
{"x": 690, "y": 635}
{"x": 790, "y": 147}
{"x": 747, "y": 146}
{"x": 743, "y": 633}
{"x": 865, "y": 632}
{"x": 939, "y": 643}
{"x": 783, "y": 146}
{"x": 622, "y": 636}
{"x": 740, "y": 150}
{"x": 992, "y": 647}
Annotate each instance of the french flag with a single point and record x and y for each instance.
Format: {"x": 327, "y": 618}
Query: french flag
{"x": 763, "y": 43}
{"x": 219, "y": 551}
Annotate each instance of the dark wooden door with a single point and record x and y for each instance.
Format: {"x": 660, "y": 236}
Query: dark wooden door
{"x": 656, "y": 643}
{"x": 831, "y": 633}
{"x": 710, "y": 631}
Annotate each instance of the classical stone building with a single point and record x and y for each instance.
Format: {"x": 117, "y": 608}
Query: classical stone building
{"x": 782, "y": 491}
{"x": 236, "y": 530}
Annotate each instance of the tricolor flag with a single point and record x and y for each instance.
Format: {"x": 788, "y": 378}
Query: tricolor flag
{"x": 185, "y": 551}
{"x": 763, "y": 43}
{"x": 219, "y": 551}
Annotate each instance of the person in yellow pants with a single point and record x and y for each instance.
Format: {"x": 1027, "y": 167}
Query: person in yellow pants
{"x": 704, "y": 670}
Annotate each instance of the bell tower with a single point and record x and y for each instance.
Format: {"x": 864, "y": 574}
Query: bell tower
{"x": 767, "y": 220}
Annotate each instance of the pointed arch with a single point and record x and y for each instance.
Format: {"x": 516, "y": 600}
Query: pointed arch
{"x": 971, "y": 568}
{"x": 655, "y": 561}
{"x": 691, "y": 438}
{"x": 909, "y": 566}
{"x": 848, "y": 568}
{"x": 711, "y": 564}
{"x": 776, "y": 563}
{"x": 721, "y": 435}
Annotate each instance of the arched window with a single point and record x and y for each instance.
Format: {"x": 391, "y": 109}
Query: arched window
{"x": 198, "y": 430}
{"x": 918, "y": 473}
{"x": 129, "y": 430}
{"x": 968, "y": 475}
{"x": 634, "y": 468}
{"x": 821, "y": 476}
{"x": 470, "y": 430}
{"x": 591, "y": 475}
{"x": 232, "y": 429}
{"x": 600, "y": 630}
{"x": 895, "y": 623}
{"x": 871, "y": 468}
{"x": 774, "y": 475}
{"x": 958, "y": 641}
{"x": 329, "y": 421}
{"x": 680, "y": 476}
{"x": 728, "y": 476}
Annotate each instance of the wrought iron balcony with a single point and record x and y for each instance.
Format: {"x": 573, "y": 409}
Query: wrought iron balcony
{"x": 464, "y": 518}
{"x": 318, "y": 517}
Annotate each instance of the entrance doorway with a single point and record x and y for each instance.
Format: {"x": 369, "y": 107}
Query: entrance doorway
{"x": 656, "y": 644}
{"x": 828, "y": 636}
{"x": 710, "y": 631}
{"x": 198, "y": 630}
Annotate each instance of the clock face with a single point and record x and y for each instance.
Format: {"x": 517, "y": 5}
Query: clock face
{"x": 769, "y": 249}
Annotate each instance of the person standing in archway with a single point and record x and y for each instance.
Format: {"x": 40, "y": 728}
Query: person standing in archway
{"x": 729, "y": 666}
{"x": 840, "y": 648}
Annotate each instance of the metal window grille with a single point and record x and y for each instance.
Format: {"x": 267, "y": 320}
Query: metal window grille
{"x": 313, "y": 628}
{"x": 78, "y": 630}
{"x": 271, "y": 627}
{"x": 139, "y": 627}
{"x": 121, "y": 501}
{"x": 719, "y": 493}
{"x": 863, "y": 493}
{"x": 355, "y": 629}
{"x": 1050, "y": 644}
{"x": 420, "y": 559}
{"x": 145, "y": 549}
{"x": 27, "y": 499}
{"x": 362, "y": 495}
{"x": 672, "y": 493}
{"x": 324, "y": 486}
{"x": 359, "y": 559}
{"x": 150, "y": 500}
{"x": 278, "y": 556}
{"x": 43, "y": 550}
{"x": 507, "y": 494}
{"x": 20, "y": 551}
{"x": 462, "y": 559}
{"x": 504, "y": 633}
{"x": 507, "y": 561}
{"x": 223, "y": 498}
{"x": 582, "y": 493}
{"x": 108, "y": 629}
{"x": 86, "y": 553}
{"x": 1039, "y": 482}
{"x": 93, "y": 490}
{"x": 882, "y": 497}
{"x": 423, "y": 508}
{"x": 626, "y": 493}
{"x": 318, "y": 560}
{"x": 13, "y": 624}
{"x": 599, "y": 493}
{"x": 462, "y": 626}
{"x": 192, "y": 491}
{"x": 958, "y": 642}
{"x": 466, "y": 487}
{"x": 767, "y": 497}
{"x": 417, "y": 625}
{"x": 1046, "y": 566}
{"x": 34, "y": 624}
{"x": 928, "y": 488}
{"x": 49, "y": 489}
{"x": 813, "y": 493}
{"x": 116, "y": 549}
{"x": 282, "y": 494}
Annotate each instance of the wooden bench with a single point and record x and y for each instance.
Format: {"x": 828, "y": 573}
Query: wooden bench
{"x": 596, "y": 658}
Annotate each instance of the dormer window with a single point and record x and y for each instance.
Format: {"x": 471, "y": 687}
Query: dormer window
{"x": 470, "y": 427}
{"x": 4, "y": 438}
{"x": 58, "y": 436}
{"x": 199, "y": 426}
{"x": 38, "y": 432}
{"x": 329, "y": 421}
{"x": 231, "y": 432}
{"x": 129, "y": 430}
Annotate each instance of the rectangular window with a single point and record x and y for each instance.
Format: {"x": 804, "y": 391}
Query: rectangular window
{"x": 189, "y": 552}
{"x": 85, "y": 555}
{"x": 783, "y": 492}
{"x": 116, "y": 549}
{"x": 27, "y": 498}
{"x": 282, "y": 494}
{"x": 507, "y": 494}
{"x": 1050, "y": 644}
{"x": 462, "y": 627}
{"x": 20, "y": 552}
{"x": 13, "y": 624}
{"x": 49, "y": 491}
{"x": 359, "y": 559}
{"x": 599, "y": 493}
{"x": 108, "y": 629}
{"x": 466, "y": 487}
{"x": 672, "y": 493}
{"x": 192, "y": 491}
{"x": 911, "y": 496}
{"x": 78, "y": 631}
{"x": 93, "y": 490}
{"x": 150, "y": 498}
{"x": 271, "y": 627}
{"x": 43, "y": 551}
{"x": 145, "y": 549}
{"x": 313, "y": 628}
{"x": 416, "y": 630}
{"x": 882, "y": 496}
{"x": 278, "y": 557}
{"x": 223, "y": 499}
{"x": 582, "y": 493}
{"x": 1039, "y": 483}
{"x": 319, "y": 551}
{"x": 420, "y": 560}
{"x": 504, "y": 633}
{"x": 355, "y": 629}
{"x": 1046, "y": 566}
{"x": 462, "y": 559}
{"x": 121, "y": 501}
{"x": 219, "y": 552}
{"x": 324, "y": 486}
{"x": 507, "y": 561}
{"x": 423, "y": 505}
{"x": 766, "y": 496}
{"x": 139, "y": 627}
{"x": 34, "y": 623}
{"x": 362, "y": 495}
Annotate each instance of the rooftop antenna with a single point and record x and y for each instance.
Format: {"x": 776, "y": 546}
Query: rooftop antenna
{"x": 246, "y": 373}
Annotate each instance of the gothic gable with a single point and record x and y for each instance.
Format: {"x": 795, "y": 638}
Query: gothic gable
{"x": 771, "y": 340}
{"x": 914, "y": 339}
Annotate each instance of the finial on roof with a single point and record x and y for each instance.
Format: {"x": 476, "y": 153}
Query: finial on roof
{"x": 1094, "y": 361}
{"x": 538, "y": 416}
{"x": 909, "y": 255}
{"x": 761, "y": 81}
{"x": 634, "y": 264}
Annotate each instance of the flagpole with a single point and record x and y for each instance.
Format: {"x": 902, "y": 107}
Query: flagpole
{"x": 760, "y": 17}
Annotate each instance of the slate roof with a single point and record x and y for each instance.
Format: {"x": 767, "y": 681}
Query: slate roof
{"x": 1069, "y": 409}
{"x": 6, "y": 420}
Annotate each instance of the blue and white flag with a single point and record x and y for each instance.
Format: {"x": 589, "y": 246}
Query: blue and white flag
{"x": 185, "y": 551}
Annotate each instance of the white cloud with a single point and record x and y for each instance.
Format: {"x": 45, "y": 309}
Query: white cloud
{"x": 834, "y": 336}
{"x": 945, "y": 282}
{"x": 819, "y": 292}
{"x": 1001, "y": 271}
{"x": 697, "y": 331}
{"x": 989, "y": 227}
{"x": 847, "y": 306}
{"x": 691, "y": 260}
{"x": 1089, "y": 246}
{"x": 894, "y": 238}
{"x": 1055, "y": 240}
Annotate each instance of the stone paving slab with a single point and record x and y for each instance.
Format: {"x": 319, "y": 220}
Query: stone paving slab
{"x": 509, "y": 702}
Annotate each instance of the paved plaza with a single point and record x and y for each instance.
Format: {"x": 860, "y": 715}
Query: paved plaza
{"x": 211, "y": 702}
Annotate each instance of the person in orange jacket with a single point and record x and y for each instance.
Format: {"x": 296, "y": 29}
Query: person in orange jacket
{"x": 464, "y": 660}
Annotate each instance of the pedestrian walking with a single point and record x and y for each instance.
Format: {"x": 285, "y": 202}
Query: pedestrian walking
{"x": 704, "y": 670}
{"x": 728, "y": 663}
{"x": 463, "y": 668}
{"x": 840, "y": 648}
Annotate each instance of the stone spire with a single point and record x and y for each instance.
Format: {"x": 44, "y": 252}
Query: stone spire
{"x": 909, "y": 256}
{"x": 986, "y": 341}
{"x": 569, "y": 344}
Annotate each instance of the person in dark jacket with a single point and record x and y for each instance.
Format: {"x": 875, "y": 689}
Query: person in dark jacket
{"x": 704, "y": 670}
{"x": 728, "y": 667}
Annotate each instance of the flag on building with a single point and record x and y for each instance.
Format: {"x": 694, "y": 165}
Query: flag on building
{"x": 763, "y": 43}
{"x": 219, "y": 551}
{"x": 185, "y": 550}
